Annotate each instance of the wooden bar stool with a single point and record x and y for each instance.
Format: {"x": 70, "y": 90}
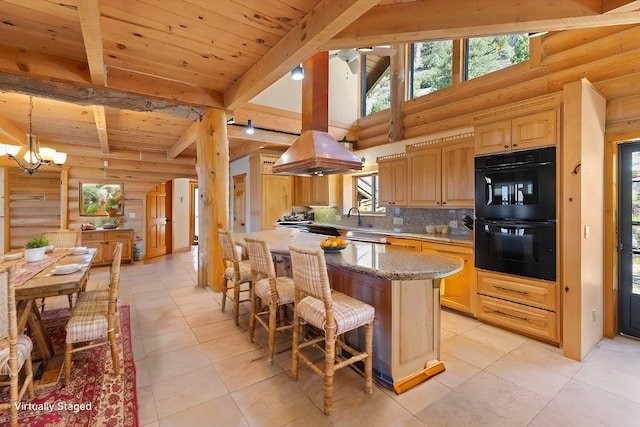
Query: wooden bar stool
{"x": 332, "y": 313}
{"x": 277, "y": 292}
{"x": 238, "y": 273}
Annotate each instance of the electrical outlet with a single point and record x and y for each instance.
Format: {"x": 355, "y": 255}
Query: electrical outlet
{"x": 132, "y": 215}
{"x": 587, "y": 231}
{"x": 593, "y": 314}
{"x": 338, "y": 217}
{"x": 398, "y": 221}
{"x": 453, "y": 224}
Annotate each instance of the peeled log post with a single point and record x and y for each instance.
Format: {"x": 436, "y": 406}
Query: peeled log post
{"x": 212, "y": 167}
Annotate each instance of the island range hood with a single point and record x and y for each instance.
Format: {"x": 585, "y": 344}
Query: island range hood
{"x": 315, "y": 152}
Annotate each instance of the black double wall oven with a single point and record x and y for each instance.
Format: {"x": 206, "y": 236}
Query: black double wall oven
{"x": 515, "y": 227}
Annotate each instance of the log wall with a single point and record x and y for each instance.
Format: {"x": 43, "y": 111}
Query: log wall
{"x": 608, "y": 57}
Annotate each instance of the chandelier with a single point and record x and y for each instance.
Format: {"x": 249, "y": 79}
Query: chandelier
{"x": 34, "y": 156}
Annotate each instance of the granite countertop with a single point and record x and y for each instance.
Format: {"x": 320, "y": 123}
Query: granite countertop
{"x": 375, "y": 259}
{"x": 463, "y": 238}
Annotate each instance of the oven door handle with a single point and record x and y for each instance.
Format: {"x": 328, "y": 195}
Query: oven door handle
{"x": 515, "y": 223}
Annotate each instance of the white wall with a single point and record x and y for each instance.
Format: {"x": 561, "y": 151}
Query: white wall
{"x": 180, "y": 215}
{"x": 286, "y": 93}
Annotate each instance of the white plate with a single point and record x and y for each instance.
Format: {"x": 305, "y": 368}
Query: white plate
{"x": 66, "y": 269}
{"x": 15, "y": 255}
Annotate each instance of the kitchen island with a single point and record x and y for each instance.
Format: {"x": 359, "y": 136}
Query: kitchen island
{"x": 402, "y": 285}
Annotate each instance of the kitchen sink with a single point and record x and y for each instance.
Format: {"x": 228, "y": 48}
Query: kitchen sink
{"x": 356, "y": 236}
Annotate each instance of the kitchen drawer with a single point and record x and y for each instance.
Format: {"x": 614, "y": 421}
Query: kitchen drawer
{"x": 118, "y": 235}
{"x": 527, "y": 320}
{"x": 538, "y": 293}
{"x": 92, "y": 237}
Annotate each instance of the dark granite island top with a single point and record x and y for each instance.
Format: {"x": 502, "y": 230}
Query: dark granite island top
{"x": 402, "y": 285}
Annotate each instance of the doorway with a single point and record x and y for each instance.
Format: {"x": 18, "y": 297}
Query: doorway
{"x": 159, "y": 204}
{"x": 240, "y": 203}
{"x": 629, "y": 240}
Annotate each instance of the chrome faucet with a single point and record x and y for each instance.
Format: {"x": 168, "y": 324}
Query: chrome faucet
{"x": 358, "y": 211}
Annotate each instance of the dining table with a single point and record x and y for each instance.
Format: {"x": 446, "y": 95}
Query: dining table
{"x": 62, "y": 272}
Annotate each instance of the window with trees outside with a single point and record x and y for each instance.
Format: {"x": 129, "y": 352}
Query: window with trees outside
{"x": 376, "y": 83}
{"x": 431, "y": 67}
{"x": 365, "y": 193}
{"x": 485, "y": 55}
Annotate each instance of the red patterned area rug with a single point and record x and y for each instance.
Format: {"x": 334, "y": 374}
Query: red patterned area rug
{"x": 95, "y": 396}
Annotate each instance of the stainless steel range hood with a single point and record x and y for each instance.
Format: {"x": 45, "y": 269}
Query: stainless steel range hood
{"x": 315, "y": 152}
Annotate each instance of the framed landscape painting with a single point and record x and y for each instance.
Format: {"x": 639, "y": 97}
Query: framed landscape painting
{"x": 98, "y": 199}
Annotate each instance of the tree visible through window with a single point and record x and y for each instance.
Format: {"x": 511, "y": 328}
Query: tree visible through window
{"x": 485, "y": 55}
{"x": 431, "y": 67}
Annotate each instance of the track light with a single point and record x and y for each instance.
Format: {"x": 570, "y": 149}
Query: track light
{"x": 250, "y": 130}
{"x": 297, "y": 73}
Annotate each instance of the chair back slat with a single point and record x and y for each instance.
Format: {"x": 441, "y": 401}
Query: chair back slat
{"x": 114, "y": 278}
{"x": 310, "y": 274}
{"x": 260, "y": 257}
{"x": 4, "y": 304}
{"x": 63, "y": 238}
{"x": 228, "y": 245}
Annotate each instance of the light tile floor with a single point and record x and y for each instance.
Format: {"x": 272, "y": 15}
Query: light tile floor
{"x": 196, "y": 368}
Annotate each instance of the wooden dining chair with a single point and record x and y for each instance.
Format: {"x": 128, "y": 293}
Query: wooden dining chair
{"x": 62, "y": 239}
{"x": 276, "y": 292}
{"x": 102, "y": 294}
{"x": 15, "y": 348}
{"x": 331, "y": 313}
{"x": 95, "y": 322}
{"x": 238, "y": 273}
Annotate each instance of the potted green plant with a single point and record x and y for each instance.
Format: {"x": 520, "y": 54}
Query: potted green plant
{"x": 111, "y": 222}
{"x": 34, "y": 248}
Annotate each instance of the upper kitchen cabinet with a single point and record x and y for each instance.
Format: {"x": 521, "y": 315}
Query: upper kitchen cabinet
{"x": 270, "y": 194}
{"x": 440, "y": 173}
{"x": 392, "y": 176}
{"x": 317, "y": 190}
{"x": 518, "y": 127}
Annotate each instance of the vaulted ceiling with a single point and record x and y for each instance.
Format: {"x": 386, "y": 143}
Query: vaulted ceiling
{"x": 126, "y": 79}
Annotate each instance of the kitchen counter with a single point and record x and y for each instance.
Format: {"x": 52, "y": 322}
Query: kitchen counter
{"x": 378, "y": 260}
{"x": 402, "y": 285}
{"x": 462, "y": 238}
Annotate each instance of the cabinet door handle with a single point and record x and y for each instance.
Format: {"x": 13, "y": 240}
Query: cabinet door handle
{"x": 506, "y": 146}
{"x": 514, "y": 145}
{"x": 510, "y": 315}
{"x": 517, "y": 291}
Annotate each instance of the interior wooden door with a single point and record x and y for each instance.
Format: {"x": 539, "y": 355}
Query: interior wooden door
{"x": 240, "y": 203}
{"x": 159, "y": 221}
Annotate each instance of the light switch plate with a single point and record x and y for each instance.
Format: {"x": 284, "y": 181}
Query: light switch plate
{"x": 453, "y": 224}
{"x": 398, "y": 221}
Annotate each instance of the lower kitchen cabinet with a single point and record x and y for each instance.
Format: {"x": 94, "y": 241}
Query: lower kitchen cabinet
{"x": 456, "y": 291}
{"x": 105, "y": 241}
{"x": 525, "y": 305}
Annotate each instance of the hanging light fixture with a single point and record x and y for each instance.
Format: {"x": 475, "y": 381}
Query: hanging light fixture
{"x": 250, "y": 130}
{"x": 297, "y": 73}
{"x": 35, "y": 156}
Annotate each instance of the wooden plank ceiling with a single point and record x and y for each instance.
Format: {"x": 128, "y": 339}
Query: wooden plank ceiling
{"x": 125, "y": 80}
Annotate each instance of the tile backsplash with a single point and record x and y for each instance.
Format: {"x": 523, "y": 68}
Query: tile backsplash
{"x": 413, "y": 220}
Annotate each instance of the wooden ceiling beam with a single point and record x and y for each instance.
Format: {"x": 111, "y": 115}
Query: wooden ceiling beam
{"x": 92, "y": 35}
{"x": 88, "y": 96}
{"x": 452, "y": 19}
{"x": 261, "y": 135}
{"x": 119, "y": 154}
{"x": 10, "y": 134}
{"x": 74, "y": 161}
{"x": 101, "y": 127}
{"x": 326, "y": 20}
{"x": 187, "y": 139}
{"x": 618, "y": 6}
{"x": 36, "y": 66}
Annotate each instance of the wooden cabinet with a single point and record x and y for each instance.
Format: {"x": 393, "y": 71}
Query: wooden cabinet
{"x": 458, "y": 290}
{"x": 519, "y": 133}
{"x": 525, "y": 305}
{"x": 392, "y": 176}
{"x": 270, "y": 195}
{"x": 441, "y": 174}
{"x": 276, "y": 199}
{"x": 104, "y": 241}
{"x": 317, "y": 190}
